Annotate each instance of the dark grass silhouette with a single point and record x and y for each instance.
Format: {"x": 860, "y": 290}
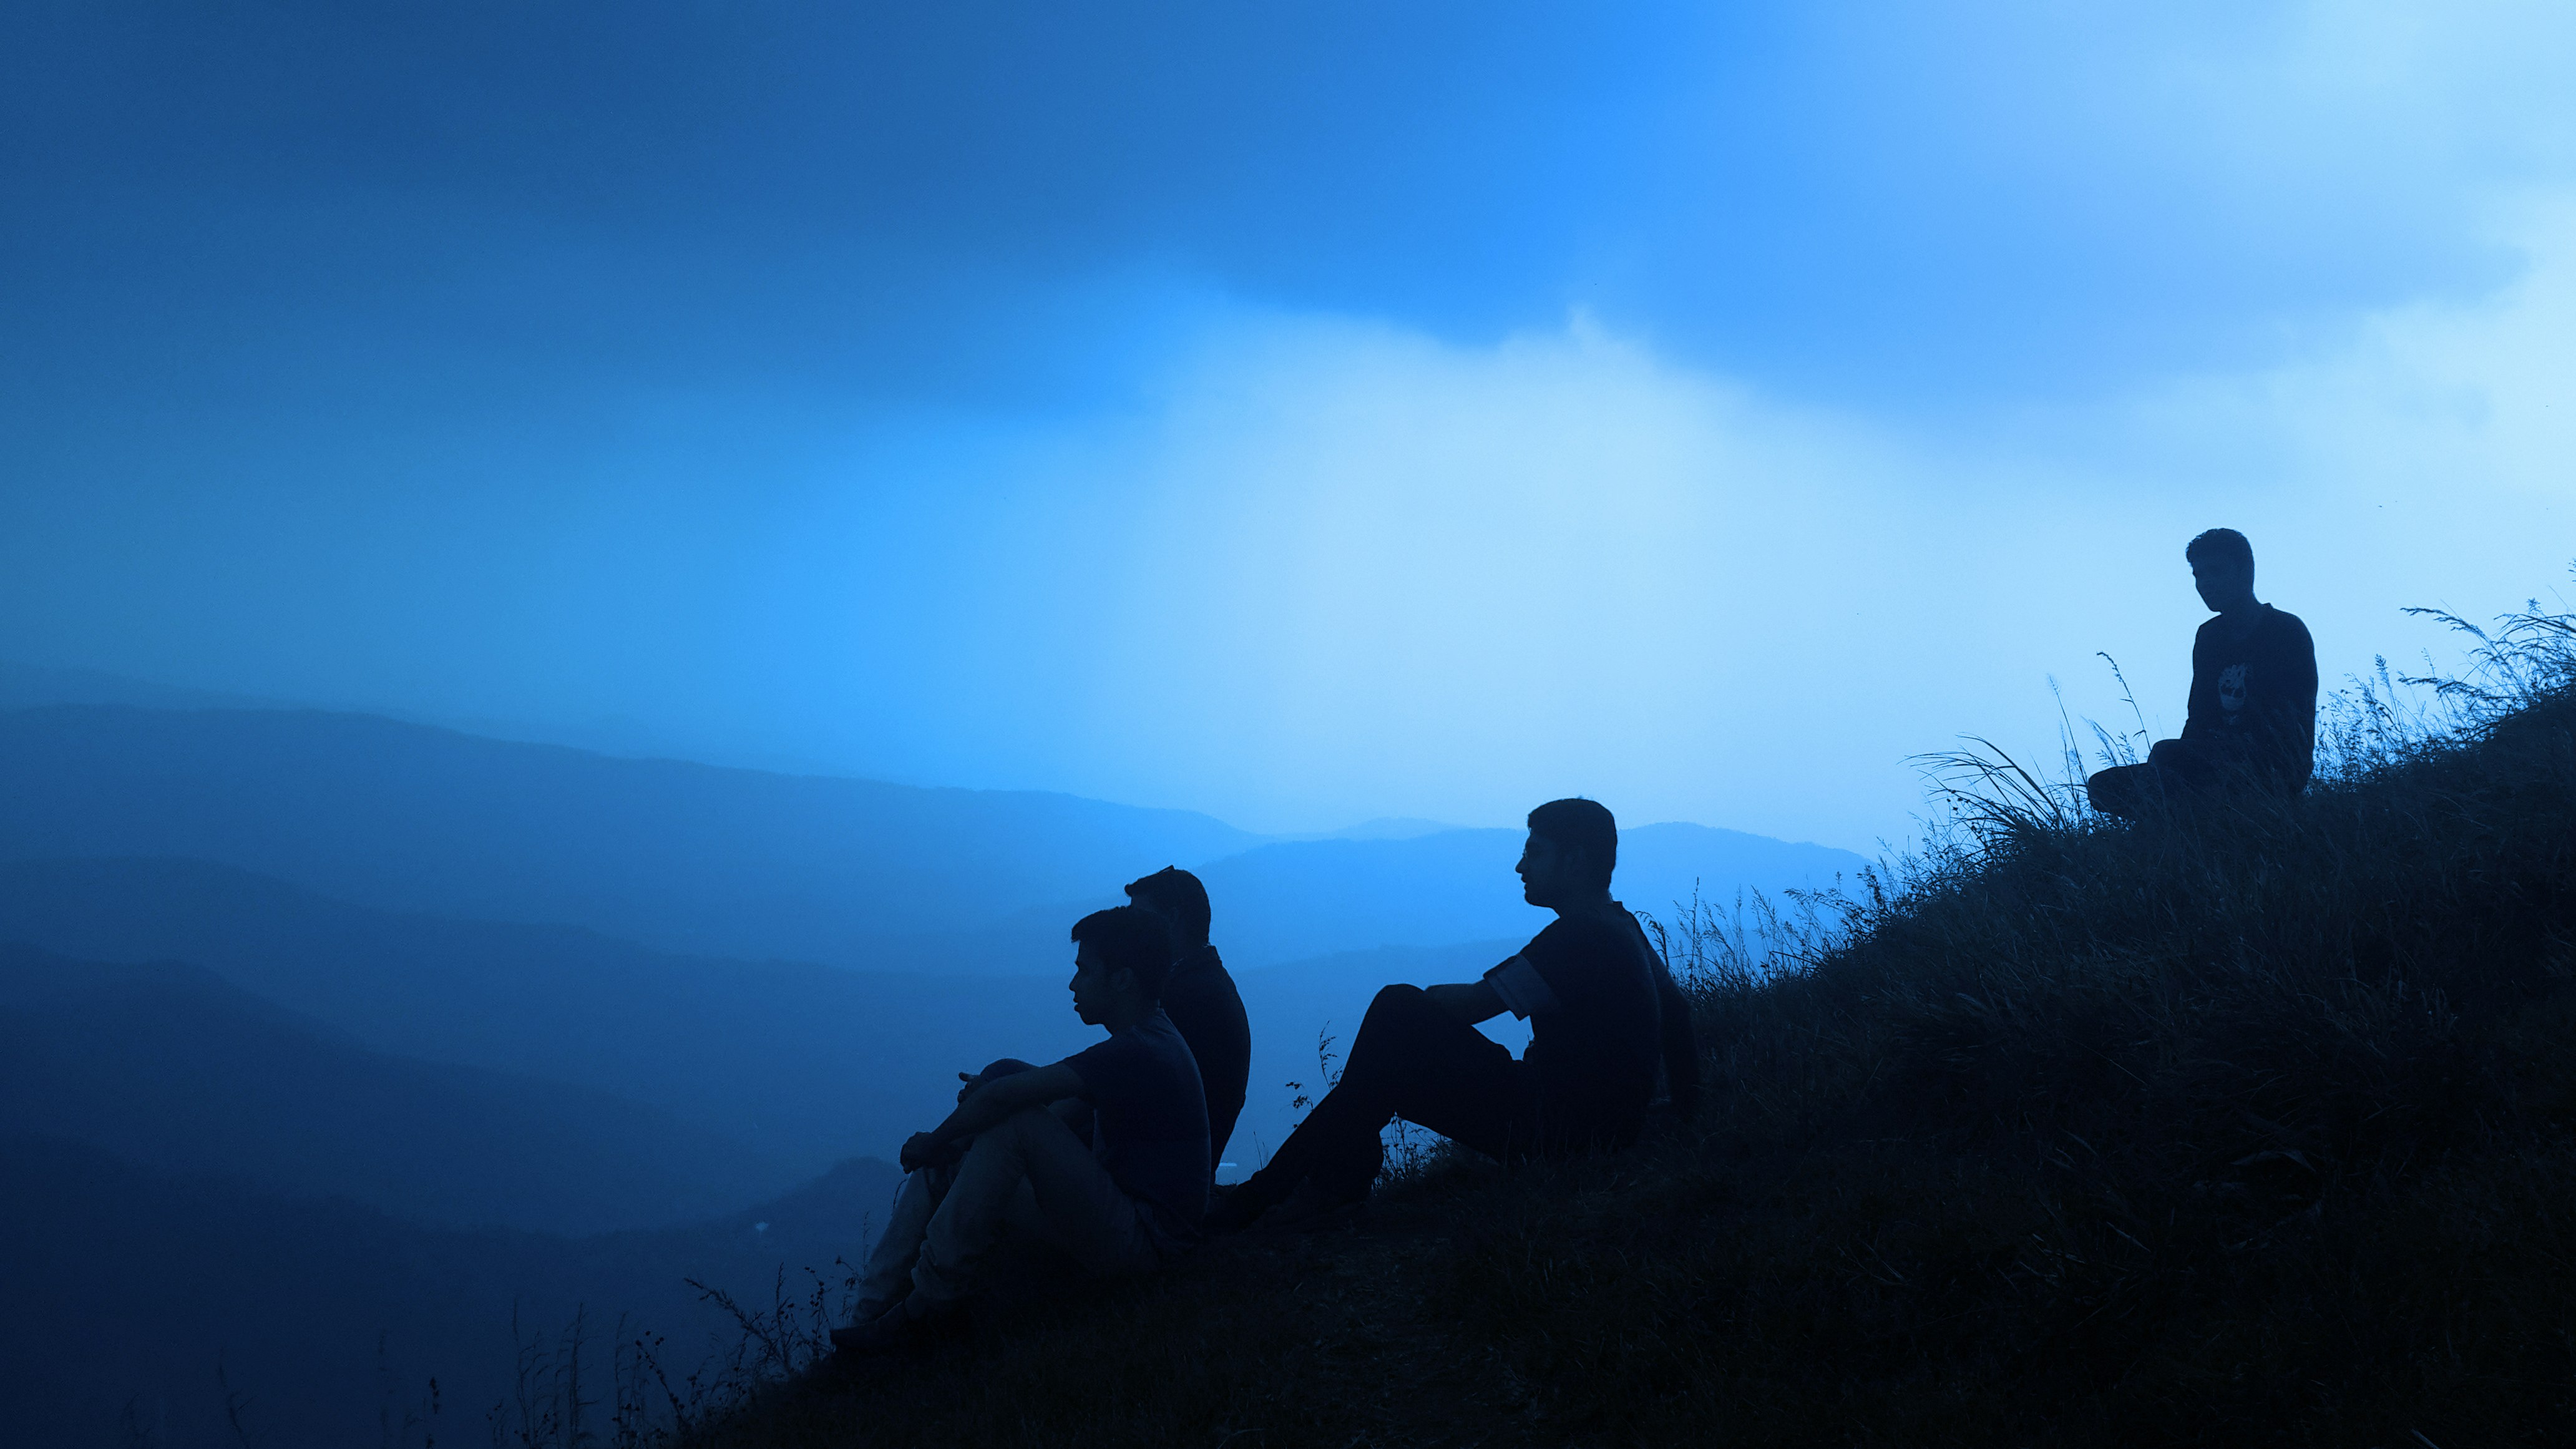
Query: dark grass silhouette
{"x": 2247, "y": 1126}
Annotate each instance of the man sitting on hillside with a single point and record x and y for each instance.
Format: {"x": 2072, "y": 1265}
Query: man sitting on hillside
{"x": 1601, "y": 1005}
{"x": 2252, "y": 718}
{"x": 1201, "y": 999}
{"x": 1122, "y": 1204}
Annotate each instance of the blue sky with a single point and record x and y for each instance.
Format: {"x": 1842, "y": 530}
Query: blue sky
{"x": 1297, "y": 413}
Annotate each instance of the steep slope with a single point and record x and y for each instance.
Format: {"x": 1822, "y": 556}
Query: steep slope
{"x": 679, "y": 856}
{"x": 170, "y": 1068}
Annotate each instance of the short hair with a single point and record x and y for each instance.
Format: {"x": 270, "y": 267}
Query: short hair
{"x": 1584, "y": 827}
{"x": 2219, "y": 544}
{"x": 1177, "y": 896}
{"x": 1132, "y": 937}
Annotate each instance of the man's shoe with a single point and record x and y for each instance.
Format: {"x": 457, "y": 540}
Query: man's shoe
{"x": 1233, "y": 1207}
{"x": 869, "y": 1309}
{"x": 1309, "y": 1209}
{"x": 1306, "y": 1208}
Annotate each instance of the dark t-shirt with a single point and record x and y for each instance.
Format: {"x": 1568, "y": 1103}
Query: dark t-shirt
{"x": 1149, "y": 1125}
{"x": 1592, "y": 1055}
{"x": 1202, "y": 1002}
{"x": 2254, "y": 700}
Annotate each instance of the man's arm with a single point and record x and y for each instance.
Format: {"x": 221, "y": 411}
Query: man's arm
{"x": 2200, "y": 705}
{"x": 1007, "y": 1066}
{"x": 2289, "y": 725}
{"x": 1469, "y": 1001}
{"x": 986, "y": 1104}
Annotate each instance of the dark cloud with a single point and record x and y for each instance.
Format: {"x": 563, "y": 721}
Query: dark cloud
{"x": 891, "y": 193}
{"x": 896, "y": 198}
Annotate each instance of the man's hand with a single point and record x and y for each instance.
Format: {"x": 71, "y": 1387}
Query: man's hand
{"x": 1007, "y": 1066}
{"x": 987, "y": 1099}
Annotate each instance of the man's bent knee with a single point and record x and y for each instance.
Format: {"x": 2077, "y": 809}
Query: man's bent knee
{"x": 1393, "y": 1005}
{"x": 1030, "y": 1119}
{"x": 1014, "y": 1133}
{"x": 1396, "y": 995}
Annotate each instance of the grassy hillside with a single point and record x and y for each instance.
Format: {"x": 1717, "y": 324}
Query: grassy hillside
{"x": 2250, "y": 1126}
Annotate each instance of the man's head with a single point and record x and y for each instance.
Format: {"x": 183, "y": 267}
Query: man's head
{"x": 1175, "y": 895}
{"x": 1573, "y": 847}
{"x": 2222, "y": 568}
{"x": 1121, "y": 958}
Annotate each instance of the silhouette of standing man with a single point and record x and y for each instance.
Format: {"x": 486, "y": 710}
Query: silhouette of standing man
{"x": 1604, "y": 1013}
{"x": 2252, "y": 723}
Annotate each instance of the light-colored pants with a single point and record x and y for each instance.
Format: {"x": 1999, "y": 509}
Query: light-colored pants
{"x": 1029, "y": 1173}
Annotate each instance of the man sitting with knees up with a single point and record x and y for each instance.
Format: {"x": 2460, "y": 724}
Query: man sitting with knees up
{"x": 1602, "y": 1009}
{"x": 1123, "y": 1203}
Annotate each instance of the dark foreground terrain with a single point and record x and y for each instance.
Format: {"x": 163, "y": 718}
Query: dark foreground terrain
{"x": 2252, "y": 1127}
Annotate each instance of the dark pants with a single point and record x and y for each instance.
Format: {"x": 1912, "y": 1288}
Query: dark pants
{"x": 1411, "y": 1060}
{"x": 2174, "y": 773}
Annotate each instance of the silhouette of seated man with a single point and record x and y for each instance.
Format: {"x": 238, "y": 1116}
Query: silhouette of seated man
{"x": 1201, "y": 999}
{"x": 1602, "y": 1009}
{"x": 2252, "y": 721}
{"x": 1124, "y": 1202}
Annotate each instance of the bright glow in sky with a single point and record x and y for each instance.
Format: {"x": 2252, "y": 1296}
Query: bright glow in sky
{"x": 1423, "y": 410}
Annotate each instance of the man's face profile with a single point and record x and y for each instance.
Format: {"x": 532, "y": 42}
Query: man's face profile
{"x": 1542, "y": 870}
{"x": 1091, "y": 985}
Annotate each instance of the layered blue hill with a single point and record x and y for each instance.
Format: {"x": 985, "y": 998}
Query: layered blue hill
{"x": 679, "y": 856}
{"x": 172, "y": 1068}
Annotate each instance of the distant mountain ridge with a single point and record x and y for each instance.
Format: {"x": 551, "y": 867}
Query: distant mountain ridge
{"x": 1290, "y": 901}
{"x": 1297, "y": 900}
{"x": 803, "y": 1063}
{"x": 745, "y": 864}
{"x": 679, "y": 856}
